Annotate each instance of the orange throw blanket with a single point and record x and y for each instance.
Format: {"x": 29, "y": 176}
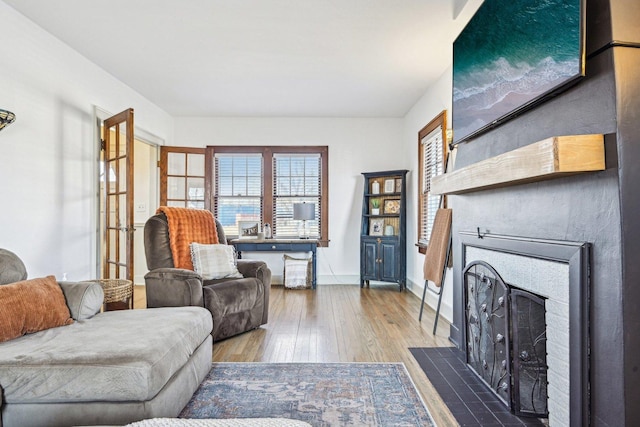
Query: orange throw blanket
{"x": 185, "y": 227}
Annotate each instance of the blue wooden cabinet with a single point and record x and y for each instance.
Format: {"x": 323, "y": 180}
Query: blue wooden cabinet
{"x": 383, "y": 248}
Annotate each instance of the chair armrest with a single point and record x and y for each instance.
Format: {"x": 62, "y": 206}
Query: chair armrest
{"x": 259, "y": 270}
{"x": 255, "y": 268}
{"x": 173, "y": 287}
{"x": 84, "y": 299}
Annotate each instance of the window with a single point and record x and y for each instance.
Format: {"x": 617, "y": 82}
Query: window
{"x": 263, "y": 183}
{"x": 431, "y": 158}
{"x": 296, "y": 180}
{"x": 182, "y": 177}
{"x": 238, "y": 189}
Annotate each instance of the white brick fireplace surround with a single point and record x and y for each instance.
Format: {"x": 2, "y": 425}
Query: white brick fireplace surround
{"x": 558, "y": 272}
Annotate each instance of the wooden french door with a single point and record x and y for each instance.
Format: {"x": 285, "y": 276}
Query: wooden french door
{"x": 118, "y": 221}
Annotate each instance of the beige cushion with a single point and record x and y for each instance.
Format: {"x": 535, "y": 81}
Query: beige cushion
{"x": 12, "y": 268}
{"x": 214, "y": 261}
{"x": 31, "y": 306}
{"x": 84, "y": 299}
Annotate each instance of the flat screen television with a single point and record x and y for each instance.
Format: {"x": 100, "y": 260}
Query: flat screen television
{"x": 512, "y": 55}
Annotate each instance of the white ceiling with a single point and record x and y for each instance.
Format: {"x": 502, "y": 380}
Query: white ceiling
{"x": 309, "y": 58}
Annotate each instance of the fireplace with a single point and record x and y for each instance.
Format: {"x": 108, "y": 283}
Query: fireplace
{"x": 506, "y": 339}
{"x": 526, "y": 305}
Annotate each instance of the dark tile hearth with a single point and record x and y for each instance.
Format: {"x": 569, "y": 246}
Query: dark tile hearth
{"x": 468, "y": 399}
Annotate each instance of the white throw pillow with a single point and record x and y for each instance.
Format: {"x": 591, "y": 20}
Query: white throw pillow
{"x": 214, "y": 261}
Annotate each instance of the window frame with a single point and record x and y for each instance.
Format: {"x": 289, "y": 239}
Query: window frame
{"x": 163, "y": 165}
{"x": 439, "y": 121}
{"x": 268, "y": 157}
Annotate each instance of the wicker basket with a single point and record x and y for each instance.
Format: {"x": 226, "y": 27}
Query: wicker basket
{"x": 298, "y": 273}
{"x": 115, "y": 290}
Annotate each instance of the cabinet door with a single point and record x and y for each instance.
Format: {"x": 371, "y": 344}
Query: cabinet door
{"x": 390, "y": 261}
{"x": 369, "y": 259}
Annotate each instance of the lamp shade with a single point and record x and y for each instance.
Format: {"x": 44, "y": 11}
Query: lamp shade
{"x": 304, "y": 211}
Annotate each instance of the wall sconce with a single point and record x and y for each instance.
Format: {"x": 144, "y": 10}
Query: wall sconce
{"x": 6, "y": 118}
{"x": 304, "y": 212}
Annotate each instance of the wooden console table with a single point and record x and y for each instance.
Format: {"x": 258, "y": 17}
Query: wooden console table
{"x": 279, "y": 245}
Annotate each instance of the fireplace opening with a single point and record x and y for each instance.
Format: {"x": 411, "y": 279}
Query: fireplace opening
{"x": 506, "y": 339}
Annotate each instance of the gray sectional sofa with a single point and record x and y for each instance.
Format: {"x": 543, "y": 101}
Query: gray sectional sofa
{"x": 106, "y": 368}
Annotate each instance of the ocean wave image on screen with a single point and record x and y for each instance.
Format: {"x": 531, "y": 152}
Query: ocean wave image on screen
{"x": 509, "y": 54}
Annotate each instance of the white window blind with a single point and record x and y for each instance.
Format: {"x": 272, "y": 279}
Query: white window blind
{"x": 238, "y": 189}
{"x": 432, "y": 165}
{"x": 296, "y": 179}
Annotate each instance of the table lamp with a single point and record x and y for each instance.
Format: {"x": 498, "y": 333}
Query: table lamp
{"x": 304, "y": 212}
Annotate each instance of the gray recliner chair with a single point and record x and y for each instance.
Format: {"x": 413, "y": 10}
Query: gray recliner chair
{"x": 236, "y": 305}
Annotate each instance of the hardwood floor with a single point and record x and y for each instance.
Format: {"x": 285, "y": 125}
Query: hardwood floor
{"x": 341, "y": 323}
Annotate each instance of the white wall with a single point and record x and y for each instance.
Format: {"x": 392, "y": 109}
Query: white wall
{"x": 355, "y": 146}
{"x": 436, "y": 99}
{"x": 48, "y": 159}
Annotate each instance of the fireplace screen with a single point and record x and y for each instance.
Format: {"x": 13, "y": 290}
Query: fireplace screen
{"x": 530, "y": 353}
{"x": 500, "y": 322}
{"x": 487, "y": 328}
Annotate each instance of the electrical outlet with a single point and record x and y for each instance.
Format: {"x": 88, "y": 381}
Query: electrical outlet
{"x": 141, "y": 207}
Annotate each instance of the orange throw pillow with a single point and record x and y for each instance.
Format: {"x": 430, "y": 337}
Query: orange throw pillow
{"x": 31, "y": 306}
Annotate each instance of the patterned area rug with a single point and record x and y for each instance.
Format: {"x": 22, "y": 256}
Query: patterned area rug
{"x": 322, "y": 394}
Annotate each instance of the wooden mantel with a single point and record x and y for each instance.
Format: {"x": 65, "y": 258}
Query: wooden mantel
{"x": 550, "y": 158}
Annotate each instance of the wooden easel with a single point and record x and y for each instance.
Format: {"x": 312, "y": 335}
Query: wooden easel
{"x": 438, "y": 254}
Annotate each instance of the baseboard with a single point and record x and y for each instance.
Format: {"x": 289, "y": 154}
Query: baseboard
{"x": 324, "y": 280}
{"x": 339, "y": 279}
{"x": 446, "y": 309}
